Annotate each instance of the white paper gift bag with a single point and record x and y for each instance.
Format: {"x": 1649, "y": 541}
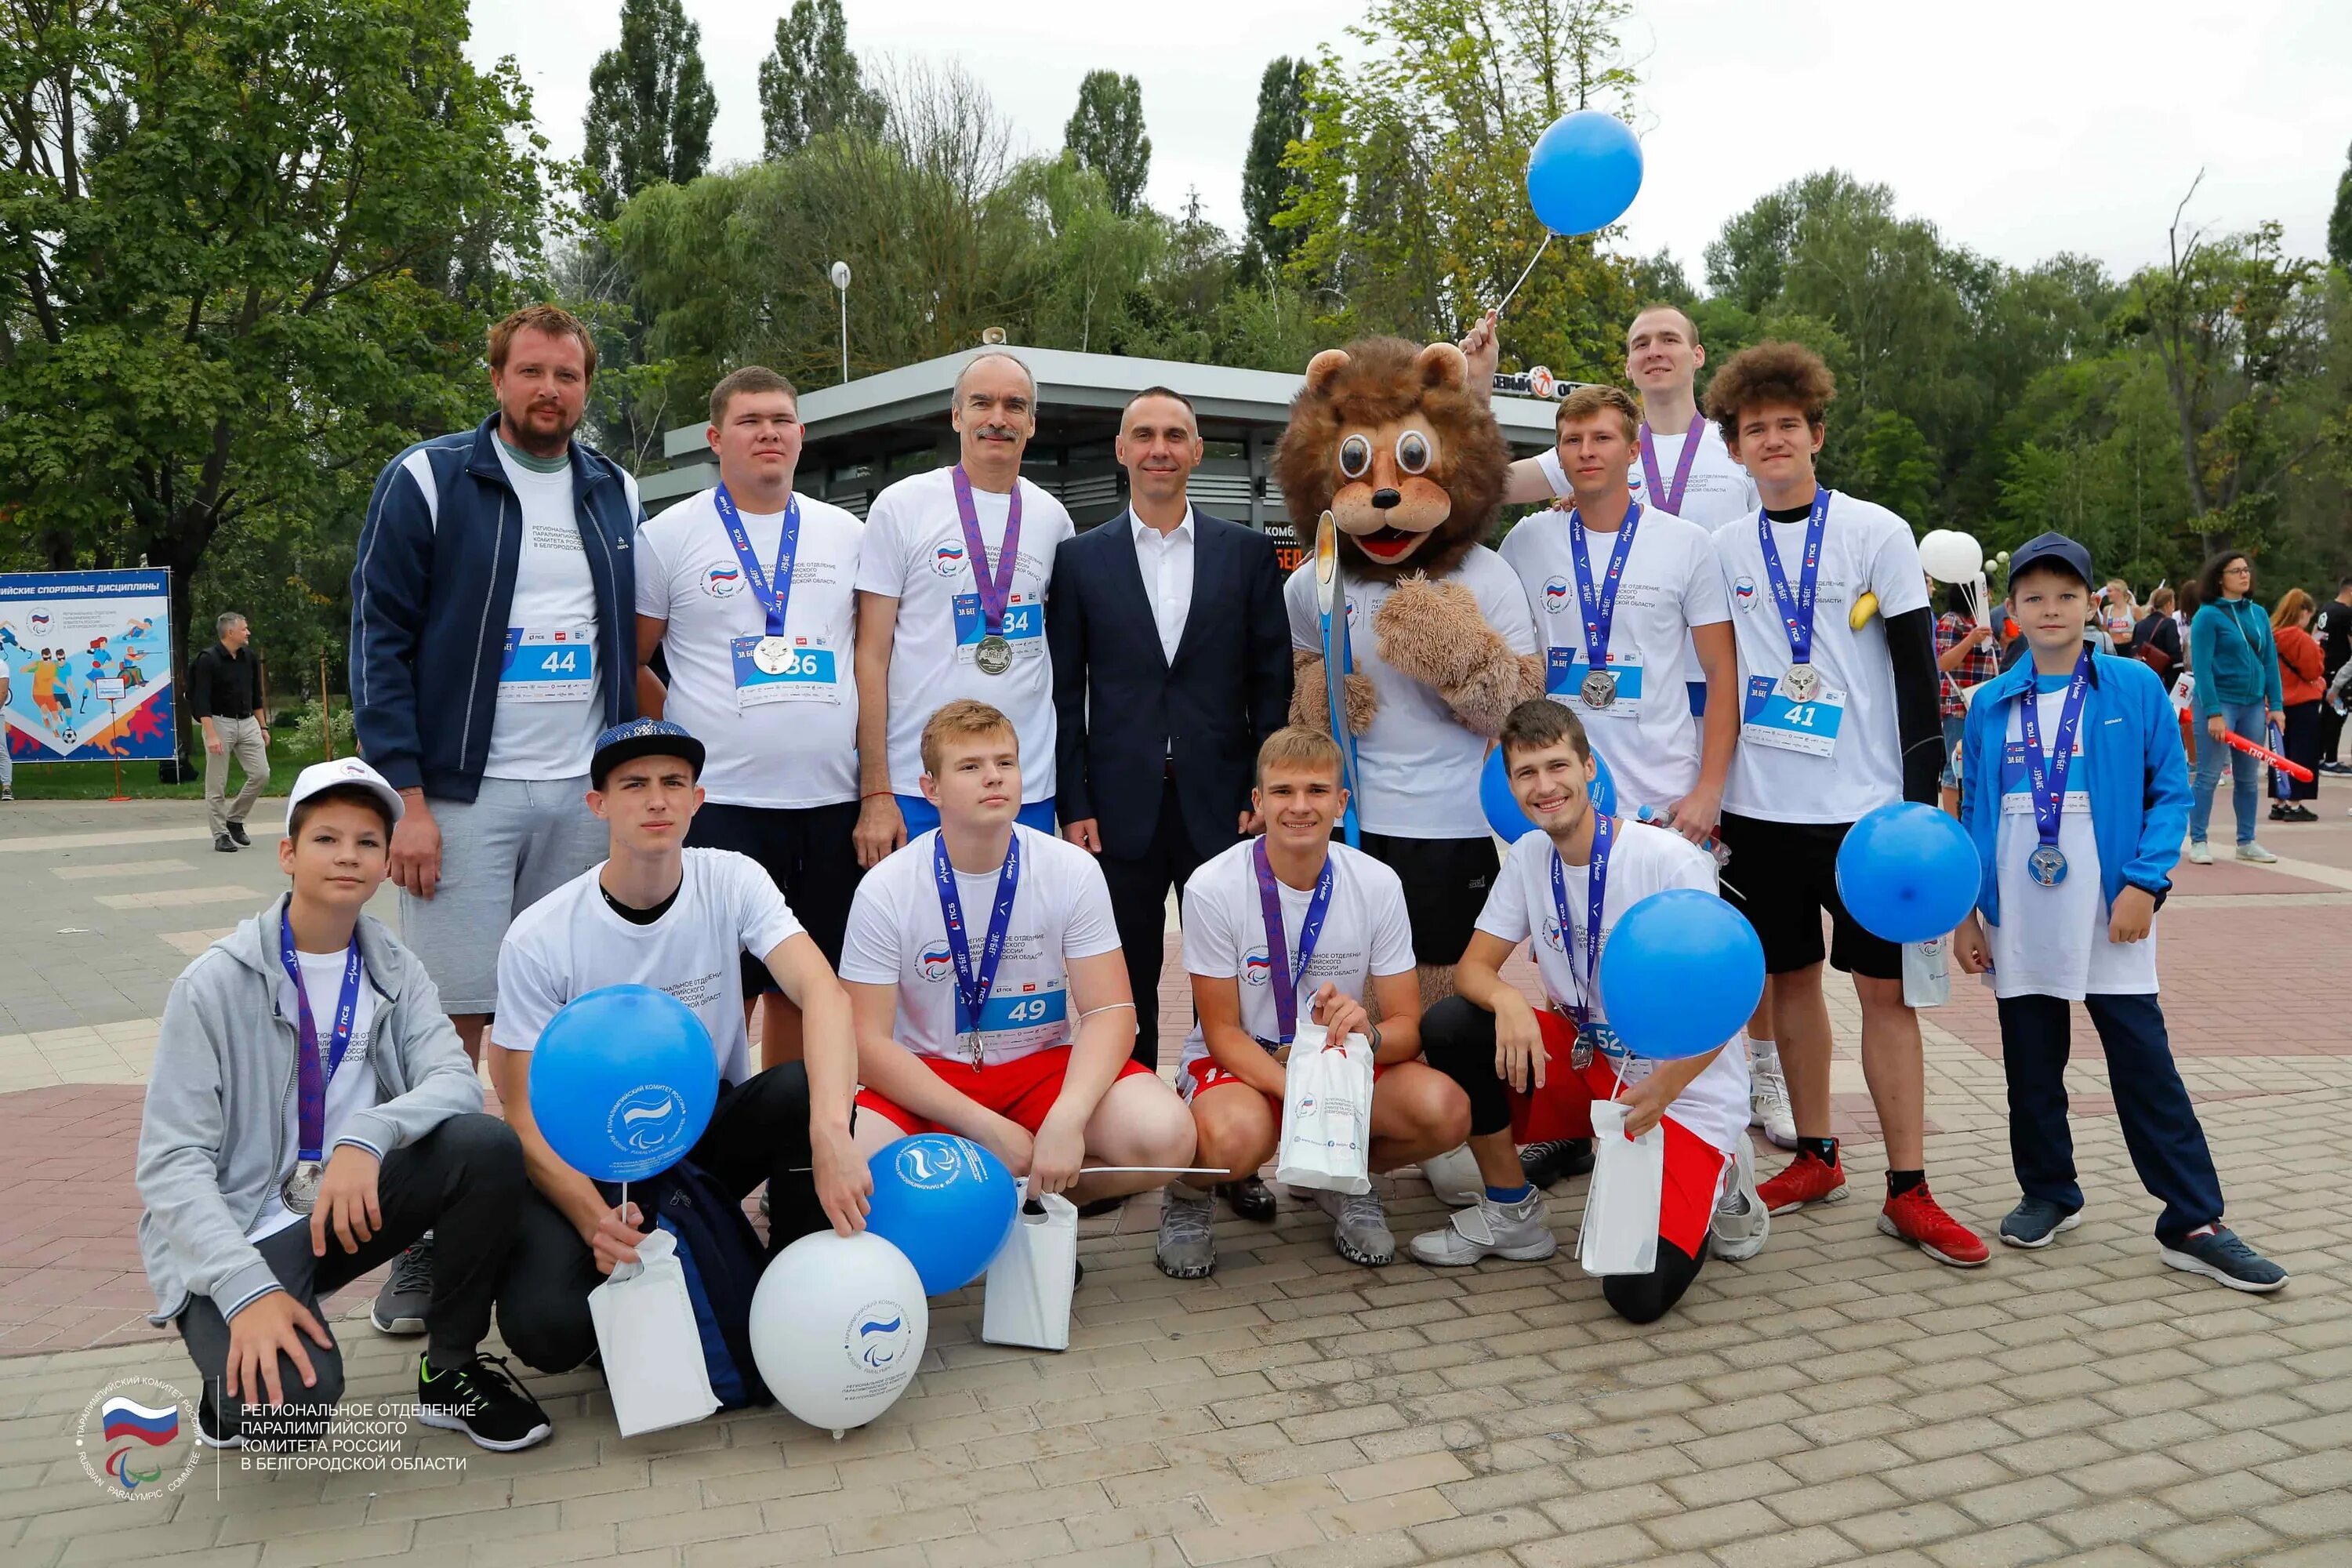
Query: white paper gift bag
{"x": 1027, "y": 1297}
{"x": 652, "y": 1349}
{"x": 1927, "y": 973}
{"x": 1327, "y": 1113}
{"x": 1620, "y": 1208}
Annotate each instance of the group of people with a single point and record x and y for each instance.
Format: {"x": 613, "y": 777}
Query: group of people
{"x": 916, "y": 791}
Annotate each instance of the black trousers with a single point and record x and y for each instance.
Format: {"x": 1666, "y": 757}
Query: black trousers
{"x": 463, "y": 1182}
{"x": 1138, "y": 906}
{"x": 758, "y": 1131}
{"x": 2331, "y": 730}
{"x": 2300, "y": 743}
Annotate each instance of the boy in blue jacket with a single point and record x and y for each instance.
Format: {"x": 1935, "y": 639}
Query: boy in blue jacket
{"x": 2074, "y": 791}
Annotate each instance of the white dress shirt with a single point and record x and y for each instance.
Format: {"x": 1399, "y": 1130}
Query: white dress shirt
{"x": 1165, "y": 559}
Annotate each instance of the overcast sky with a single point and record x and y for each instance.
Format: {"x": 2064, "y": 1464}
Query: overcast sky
{"x": 2020, "y": 129}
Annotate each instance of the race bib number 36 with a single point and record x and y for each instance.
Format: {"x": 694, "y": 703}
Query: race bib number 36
{"x": 779, "y": 669}
{"x": 548, "y": 666}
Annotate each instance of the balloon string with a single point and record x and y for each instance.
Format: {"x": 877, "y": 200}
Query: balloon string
{"x": 1523, "y": 277}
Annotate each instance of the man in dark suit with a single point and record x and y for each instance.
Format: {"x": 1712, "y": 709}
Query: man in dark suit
{"x": 1171, "y": 664}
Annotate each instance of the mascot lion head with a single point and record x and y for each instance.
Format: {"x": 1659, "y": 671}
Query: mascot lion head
{"x": 1387, "y": 438}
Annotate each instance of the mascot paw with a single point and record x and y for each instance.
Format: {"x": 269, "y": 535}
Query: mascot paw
{"x": 1363, "y": 703}
{"x": 1310, "y": 704}
{"x": 1434, "y": 633}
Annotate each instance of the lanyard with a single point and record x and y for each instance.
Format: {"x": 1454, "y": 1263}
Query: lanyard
{"x": 1286, "y": 975}
{"x": 1599, "y": 604}
{"x": 774, "y": 592}
{"x": 996, "y": 588}
{"x": 974, "y": 983}
{"x": 1797, "y": 609}
{"x": 312, "y": 1105}
{"x": 1603, "y": 828}
{"x": 1670, "y": 500}
{"x": 2046, "y": 774}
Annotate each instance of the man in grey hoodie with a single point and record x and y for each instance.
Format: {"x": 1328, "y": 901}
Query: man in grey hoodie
{"x": 309, "y": 1114}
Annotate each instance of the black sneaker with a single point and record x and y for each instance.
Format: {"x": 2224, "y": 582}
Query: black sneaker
{"x": 224, "y": 843}
{"x": 1555, "y": 1160}
{"x": 482, "y": 1400}
{"x": 1251, "y": 1198}
{"x": 2218, "y": 1254}
{"x": 208, "y": 1430}
{"x": 400, "y": 1306}
{"x": 2036, "y": 1222}
{"x": 236, "y": 831}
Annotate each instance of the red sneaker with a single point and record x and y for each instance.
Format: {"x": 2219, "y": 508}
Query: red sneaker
{"x": 1917, "y": 1217}
{"x": 1807, "y": 1179}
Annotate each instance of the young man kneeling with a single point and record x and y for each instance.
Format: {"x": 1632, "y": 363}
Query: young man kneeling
{"x": 990, "y": 992}
{"x": 1566, "y": 885}
{"x": 1290, "y": 915}
{"x": 311, "y": 1114}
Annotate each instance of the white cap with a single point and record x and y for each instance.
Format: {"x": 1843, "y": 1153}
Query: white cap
{"x": 342, "y": 773}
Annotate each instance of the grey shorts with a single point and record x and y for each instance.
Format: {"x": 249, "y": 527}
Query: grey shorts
{"x": 501, "y": 852}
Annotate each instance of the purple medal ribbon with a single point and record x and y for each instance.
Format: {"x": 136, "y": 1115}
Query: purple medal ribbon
{"x": 1797, "y": 609}
{"x": 774, "y": 593}
{"x": 1670, "y": 500}
{"x": 1286, "y": 977}
{"x": 1603, "y": 828}
{"x": 1599, "y": 604}
{"x": 995, "y": 588}
{"x": 974, "y": 982}
{"x": 311, "y": 1105}
{"x": 2045, "y": 775}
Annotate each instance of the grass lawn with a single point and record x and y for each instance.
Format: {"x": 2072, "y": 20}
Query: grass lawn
{"x": 95, "y": 781}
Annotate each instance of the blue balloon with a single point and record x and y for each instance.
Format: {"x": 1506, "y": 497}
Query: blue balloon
{"x": 1680, "y": 974}
{"x": 945, "y": 1202}
{"x": 1584, "y": 171}
{"x": 1908, "y": 872}
{"x": 623, "y": 1082}
{"x": 1503, "y": 814}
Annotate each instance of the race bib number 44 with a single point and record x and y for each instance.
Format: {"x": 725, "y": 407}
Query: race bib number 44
{"x": 1776, "y": 720}
{"x": 782, "y": 669}
{"x": 548, "y": 666}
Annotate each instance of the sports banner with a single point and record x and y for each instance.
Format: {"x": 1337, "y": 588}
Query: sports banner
{"x": 72, "y": 641}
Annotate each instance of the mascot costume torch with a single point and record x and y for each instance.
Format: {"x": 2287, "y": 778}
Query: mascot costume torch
{"x": 1405, "y": 470}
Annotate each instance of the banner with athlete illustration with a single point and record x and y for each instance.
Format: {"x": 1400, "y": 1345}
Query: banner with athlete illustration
{"x": 90, "y": 664}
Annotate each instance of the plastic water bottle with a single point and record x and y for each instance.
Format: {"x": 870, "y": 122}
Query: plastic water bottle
{"x": 1711, "y": 844}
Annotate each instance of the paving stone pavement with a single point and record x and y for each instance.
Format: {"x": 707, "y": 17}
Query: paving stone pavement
{"x": 1836, "y": 1399}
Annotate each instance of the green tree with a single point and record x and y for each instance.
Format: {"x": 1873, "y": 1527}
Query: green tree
{"x": 809, "y": 83}
{"x": 1266, "y": 185}
{"x": 649, "y": 106}
{"x": 208, "y": 338}
{"x": 1106, "y": 136}
{"x": 2339, "y": 219}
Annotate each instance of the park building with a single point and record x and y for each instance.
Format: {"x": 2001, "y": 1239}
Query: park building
{"x": 864, "y": 434}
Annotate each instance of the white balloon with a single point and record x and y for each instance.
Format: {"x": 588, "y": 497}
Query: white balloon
{"x": 1453, "y": 1176}
{"x": 838, "y": 1326}
{"x": 1950, "y": 556}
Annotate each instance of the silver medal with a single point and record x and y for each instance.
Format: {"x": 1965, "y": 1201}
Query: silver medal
{"x": 2047, "y": 865}
{"x": 1600, "y": 688}
{"x": 993, "y": 655}
{"x": 301, "y": 1190}
{"x": 978, "y": 1049}
{"x": 774, "y": 656}
{"x": 1802, "y": 682}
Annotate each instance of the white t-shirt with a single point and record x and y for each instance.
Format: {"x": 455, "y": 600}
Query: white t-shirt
{"x": 913, "y": 552}
{"x": 777, "y": 739}
{"x": 352, "y": 1089}
{"x": 2052, "y": 941}
{"x": 547, "y": 718}
{"x": 1419, "y": 763}
{"x": 1365, "y": 932}
{"x": 1718, "y": 490}
{"x": 1671, "y": 584}
{"x": 1643, "y": 860}
{"x": 570, "y": 942}
{"x": 1865, "y": 549}
{"x": 898, "y": 936}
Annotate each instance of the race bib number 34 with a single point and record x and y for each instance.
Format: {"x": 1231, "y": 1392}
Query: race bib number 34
{"x": 1024, "y": 627}
{"x": 548, "y": 666}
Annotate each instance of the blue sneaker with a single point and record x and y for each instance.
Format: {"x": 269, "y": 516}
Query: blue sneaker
{"x": 2036, "y": 1222}
{"x": 2218, "y": 1254}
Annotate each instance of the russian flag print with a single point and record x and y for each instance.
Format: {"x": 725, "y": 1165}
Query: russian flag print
{"x": 125, "y": 1418}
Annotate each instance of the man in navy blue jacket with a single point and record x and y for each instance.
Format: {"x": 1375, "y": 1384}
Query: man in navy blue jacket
{"x": 493, "y": 639}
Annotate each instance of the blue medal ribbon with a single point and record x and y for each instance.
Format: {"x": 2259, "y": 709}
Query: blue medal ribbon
{"x": 1580, "y": 1009}
{"x": 995, "y": 588}
{"x": 310, "y": 1113}
{"x": 1797, "y": 608}
{"x": 775, "y": 591}
{"x": 974, "y": 983}
{"x": 1598, "y": 603}
{"x": 1665, "y": 499}
{"x": 1286, "y": 977}
{"x": 2045, "y": 775}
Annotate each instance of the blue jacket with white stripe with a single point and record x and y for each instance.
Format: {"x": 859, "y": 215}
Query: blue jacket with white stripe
{"x": 430, "y": 593}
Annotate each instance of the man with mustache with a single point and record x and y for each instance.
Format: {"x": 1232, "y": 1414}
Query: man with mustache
{"x": 493, "y": 636}
{"x": 951, "y": 603}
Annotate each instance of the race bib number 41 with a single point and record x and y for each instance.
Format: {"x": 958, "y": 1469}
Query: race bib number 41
{"x": 548, "y": 666}
{"x": 1776, "y": 720}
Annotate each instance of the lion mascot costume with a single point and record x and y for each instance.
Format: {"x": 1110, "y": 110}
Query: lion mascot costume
{"x": 1388, "y": 438}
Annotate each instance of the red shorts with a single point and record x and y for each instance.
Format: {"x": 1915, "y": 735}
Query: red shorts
{"x": 1021, "y": 1090}
{"x": 1563, "y": 1109}
{"x": 1204, "y": 1074}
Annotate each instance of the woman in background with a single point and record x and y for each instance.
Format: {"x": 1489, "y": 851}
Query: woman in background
{"x": 2301, "y": 668}
{"x": 2235, "y": 658}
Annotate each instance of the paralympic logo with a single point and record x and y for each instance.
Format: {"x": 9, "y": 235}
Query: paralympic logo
{"x": 947, "y": 560}
{"x": 935, "y": 1163}
{"x": 937, "y": 962}
{"x": 1744, "y": 590}
{"x": 648, "y": 1118}
{"x": 720, "y": 581}
{"x": 878, "y": 1336}
{"x": 1557, "y": 593}
{"x": 1552, "y": 937}
{"x": 1256, "y": 967}
{"x": 126, "y": 1435}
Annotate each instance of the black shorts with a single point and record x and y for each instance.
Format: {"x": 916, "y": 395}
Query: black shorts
{"x": 808, "y": 855}
{"x": 1785, "y": 875}
{"x": 1447, "y": 881}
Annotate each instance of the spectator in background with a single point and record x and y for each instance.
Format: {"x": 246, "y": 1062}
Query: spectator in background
{"x": 2156, "y": 641}
{"x": 1965, "y": 655}
{"x": 2333, "y": 631}
{"x": 2236, "y": 662}
{"x": 224, "y": 693}
{"x": 2120, "y": 614}
{"x": 2302, "y": 683}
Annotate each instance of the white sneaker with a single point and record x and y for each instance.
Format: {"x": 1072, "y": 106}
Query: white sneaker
{"x": 1520, "y": 1231}
{"x": 2249, "y": 850}
{"x": 1360, "y": 1228}
{"x": 1767, "y": 1097}
{"x": 2200, "y": 852}
{"x": 1453, "y": 1177}
{"x": 1741, "y": 1222}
